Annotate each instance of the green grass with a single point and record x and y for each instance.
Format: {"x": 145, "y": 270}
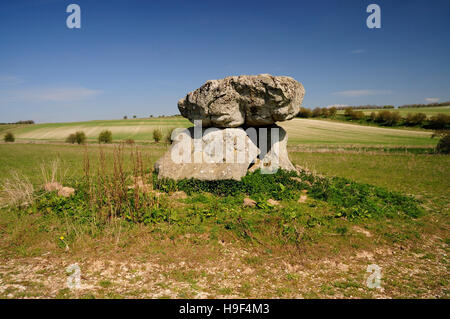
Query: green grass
{"x": 28, "y": 158}
{"x": 209, "y": 240}
{"x": 427, "y": 176}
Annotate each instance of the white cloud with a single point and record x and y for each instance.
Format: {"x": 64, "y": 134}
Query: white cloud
{"x": 358, "y": 51}
{"x": 432, "y": 99}
{"x": 10, "y": 80}
{"x": 67, "y": 94}
{"x": 358, "y": 93}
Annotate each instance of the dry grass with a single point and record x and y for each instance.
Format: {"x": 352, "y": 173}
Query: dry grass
{"x": 53, "y": 172}
{"x": 16, "y": 190}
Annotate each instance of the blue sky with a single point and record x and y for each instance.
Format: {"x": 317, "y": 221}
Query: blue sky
{"x": 139, "y": 57}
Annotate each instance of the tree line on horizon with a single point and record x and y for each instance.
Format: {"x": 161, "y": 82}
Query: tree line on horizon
{"x": 384, "y": 117}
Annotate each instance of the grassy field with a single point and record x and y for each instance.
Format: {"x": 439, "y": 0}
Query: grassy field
{"x": 300, "y": 131}
{"x": 429, "y": 111}
{"x": 137, "y": 129}
{"x": 316, "y": 132}
{"x": 213, "y": 247}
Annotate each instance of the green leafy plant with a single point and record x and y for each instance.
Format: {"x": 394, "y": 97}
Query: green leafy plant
{"x": 157, "y": 135}
{"x": 105, "y": 136}
{"x": 72, "y": 138}
{"x": 9, "y": 137}
{"x": 443, "y": 146}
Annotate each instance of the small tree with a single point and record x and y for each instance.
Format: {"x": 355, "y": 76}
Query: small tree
{"x": 332, "y": 111}
{"x": 125, "y": 117}
{"x": 443, "y": 146}
{"x": 134, "y": 116}
{"x": 317, "y": 112}
{"x": 9, "y": 137}
{"x": 80, "y": 137}
{"x": 357, "y": 115}
{"x": 157, "y": 135}
{"x": 72, "y": 138}
{"x": 348, "y": 112}
{"x": 304, "y": 112}
{"x": 105, "y": 137}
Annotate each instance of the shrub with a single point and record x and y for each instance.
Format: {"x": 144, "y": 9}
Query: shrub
{"x": 388, "y": 118}
{"x": 105, "y": 137}
{"x": 317, "y": 112}
{"x": 415, "y": 119}
{"x": 80, "y": 137}
{"x": 304, "y": 113}
{"x": 443, "y": 146}
{"x": 373, "y": 116}
{"x": 125, "y": 117}
{"x": 9, "y": 137}
{"x": 332, "y": 111}
{"x": 72, "y": 138}
{"x": 439, "y": 121}
{"x": 357, "y": 115}
{"x": 396, "y": 118}
{"x": 129, "y": 141}
{"x": 157, "y": 135}
{"x": 348, "y": 112}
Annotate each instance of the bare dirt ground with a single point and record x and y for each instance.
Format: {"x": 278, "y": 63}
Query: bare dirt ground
{"x": 226, "y": 270}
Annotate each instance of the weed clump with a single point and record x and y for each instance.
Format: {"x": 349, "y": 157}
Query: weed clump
{"x": 349, "y": 199}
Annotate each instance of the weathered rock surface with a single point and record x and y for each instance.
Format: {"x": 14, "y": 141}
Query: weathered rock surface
{"x": 274, "y": 155}
{"x": 248, "y": 202}
{"x": 217, "y": 154}
{"x": 52, "y": 186}
{"x": 246, "y": 100}
{"x": 66, "y": 192}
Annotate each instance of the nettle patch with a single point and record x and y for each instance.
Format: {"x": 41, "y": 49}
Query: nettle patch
{"x": 348, "y": 198}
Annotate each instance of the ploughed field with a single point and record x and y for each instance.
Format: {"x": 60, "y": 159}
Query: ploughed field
{"x": 300, "y": 132}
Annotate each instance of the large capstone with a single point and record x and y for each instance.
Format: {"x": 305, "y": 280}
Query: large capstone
{"x": 246, "y": 100}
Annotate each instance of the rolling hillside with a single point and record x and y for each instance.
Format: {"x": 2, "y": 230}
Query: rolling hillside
{"x": 301, "y": 131}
